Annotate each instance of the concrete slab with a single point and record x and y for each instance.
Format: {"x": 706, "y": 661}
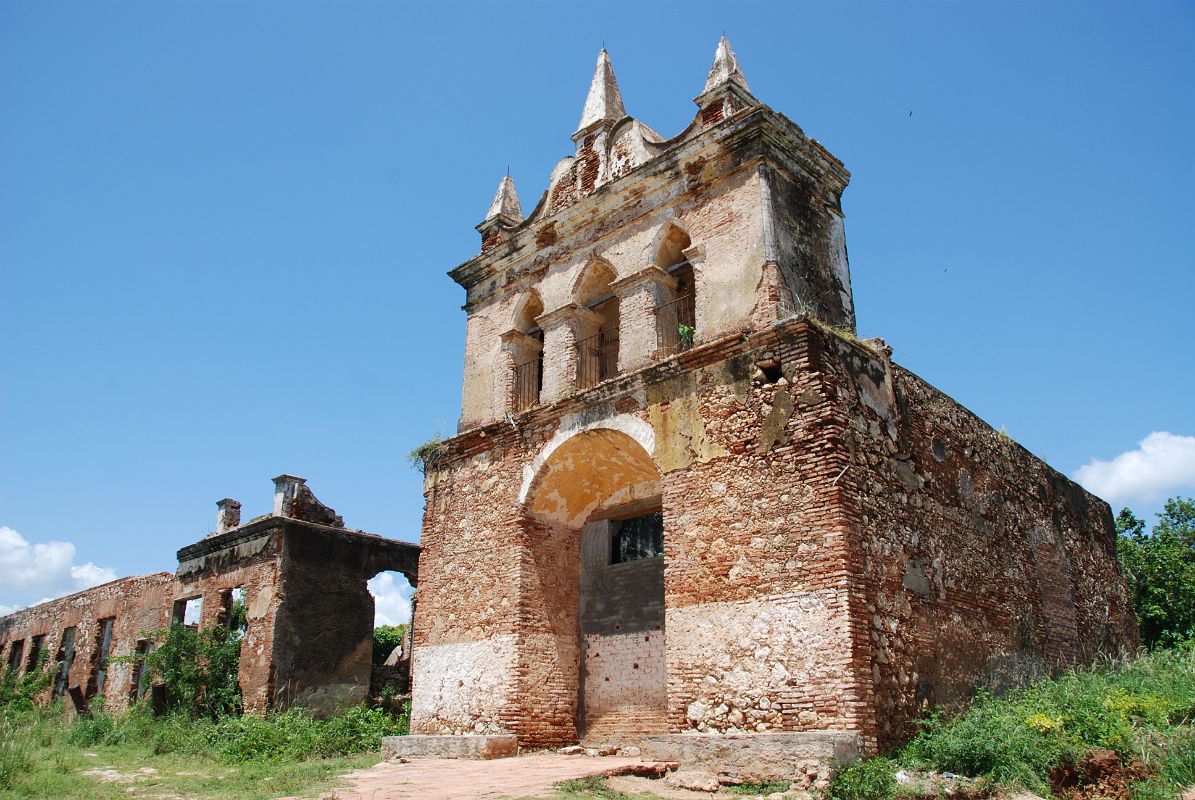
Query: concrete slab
{"x": 806, "y": 758}
{"x": 476, "y": 747}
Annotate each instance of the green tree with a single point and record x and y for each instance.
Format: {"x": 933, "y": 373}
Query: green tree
{"x": 385, "y": 639}
{"x": 1160, "y": 567}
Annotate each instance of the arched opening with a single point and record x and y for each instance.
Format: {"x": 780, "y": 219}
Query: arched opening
{"x": 528, "y": 353}
{"x": 595, "y": 532}
{"x": 676, "y": 320}
{"x": 597, "y": 345}
{"x": 390, "y": 662}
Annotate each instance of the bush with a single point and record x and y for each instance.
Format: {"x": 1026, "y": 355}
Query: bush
{"x": 199, "y": 669}
{"x": 872, "y": 779}
{"x": 385, "y": 639}
{"x": 19, "y": 692}
{"x": 1142, "y": 710}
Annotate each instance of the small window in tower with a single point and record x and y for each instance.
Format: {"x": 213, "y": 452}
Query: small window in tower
{"x": 637, "y": 537}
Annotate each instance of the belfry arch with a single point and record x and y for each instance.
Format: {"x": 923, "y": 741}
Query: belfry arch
{"x": 594, "y": 534}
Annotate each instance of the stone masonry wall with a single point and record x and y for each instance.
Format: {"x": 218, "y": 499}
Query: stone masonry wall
{"x": 137, "y": 605}
{"x": 252, "y": 564}
{"x": 758, "y": 631}
{"x": 843, "y": 546}
{"x": 983, "y": 566}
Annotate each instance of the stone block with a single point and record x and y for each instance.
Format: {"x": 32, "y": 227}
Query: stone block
{"x": 480, "y": 747}
{"x": 761, "y": 756}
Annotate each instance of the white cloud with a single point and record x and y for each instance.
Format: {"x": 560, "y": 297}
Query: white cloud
{"x": 391, "y": 598}
{"x": 5, "y": 610}
{"x": 44, "y": 568}
{"x": 1162, "y": 464}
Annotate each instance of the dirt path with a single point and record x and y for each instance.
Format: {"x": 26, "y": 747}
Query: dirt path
{"x": 453, "y": 779}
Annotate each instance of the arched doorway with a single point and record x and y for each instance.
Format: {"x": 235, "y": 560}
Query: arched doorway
{"x": 596, "y": 539}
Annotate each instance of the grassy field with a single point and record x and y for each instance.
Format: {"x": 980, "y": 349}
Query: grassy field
{"x": 135, "y": 755}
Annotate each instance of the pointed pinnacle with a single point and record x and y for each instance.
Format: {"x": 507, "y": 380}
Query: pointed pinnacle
{"x": 604, "y": 103}
{"x": 725, "y": 68}
{"x": 506, "y": 202}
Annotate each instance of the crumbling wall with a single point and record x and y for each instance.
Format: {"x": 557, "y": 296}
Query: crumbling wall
{"x": 249, "y": 560}
{"x": 323, "y": 636}
{"x": 137, "y": 606}
{"x": 983, "y": 566}
{"x": 759, "y": 629}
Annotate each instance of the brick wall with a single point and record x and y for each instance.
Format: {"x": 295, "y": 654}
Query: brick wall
{"x": 843, "y": 545}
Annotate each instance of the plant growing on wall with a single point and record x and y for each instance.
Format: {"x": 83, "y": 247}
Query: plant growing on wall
{"x": 424, "y": 456}
{"x": 685, "y": 333}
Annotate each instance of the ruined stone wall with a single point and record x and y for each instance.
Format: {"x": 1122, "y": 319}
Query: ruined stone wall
{"x": 759, "y": 629}
{"x": 251, "y": 563}
{"x": 983, "y": 566}
{"x": 323, "y": 638}
{"x": 464, "y": 657}
{"x": 137, "y": 605}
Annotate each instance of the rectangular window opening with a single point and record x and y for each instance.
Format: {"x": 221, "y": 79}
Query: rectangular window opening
{"x": 139, "y": 679}
{"x": 36, "y": 645}
{"x": 103, "y": 648}
{"x": 65, "y": 657}
{"x": 16, "y": 652}
{"x": 187, "y": 611}
{"x": 637, "y": 538}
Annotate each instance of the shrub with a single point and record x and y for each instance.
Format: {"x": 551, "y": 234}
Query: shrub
{"x": 199, "y": 669}
{"x": 19, "y": 692}
{"x": 871, "y": 779}
{"x": 385, "y": 639}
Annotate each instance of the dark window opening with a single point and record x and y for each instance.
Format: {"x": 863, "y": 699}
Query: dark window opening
{"x": 139, "y": 681}
{"x": 65, "y": 657}
{"x": 103, "y": 648}
{"x": 35, "y": 652}
{"x": 637, "y": 537}
{"x": 16, "y": 651}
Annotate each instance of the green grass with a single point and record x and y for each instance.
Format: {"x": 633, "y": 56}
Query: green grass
{"x": 42, "y": 755}
{"x": 1142, "y": 710}
{"x": 595, "y": 788}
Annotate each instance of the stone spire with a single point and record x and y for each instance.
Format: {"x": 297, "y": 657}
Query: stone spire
{"x": 506, "y": 202}
{"x": 725, "y": 68}
{"x": 726, "y": 91}
{"x": 604, "y": 103}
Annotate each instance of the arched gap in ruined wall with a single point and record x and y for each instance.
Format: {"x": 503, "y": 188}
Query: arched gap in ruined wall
{"x": 593, "y": 657}
{"x": 393, "y": 603}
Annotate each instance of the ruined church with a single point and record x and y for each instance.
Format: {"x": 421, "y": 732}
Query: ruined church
{"x": 687, "y": 506}
{"x": 685, "y": 498}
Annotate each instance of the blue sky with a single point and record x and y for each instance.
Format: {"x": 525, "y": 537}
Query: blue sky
{"x": 225, "y": 227}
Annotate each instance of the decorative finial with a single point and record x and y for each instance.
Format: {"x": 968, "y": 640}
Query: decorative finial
{"x": 725, "y": 67}
{"x": 604, "y": 103}
{"x": 506, "y": 201}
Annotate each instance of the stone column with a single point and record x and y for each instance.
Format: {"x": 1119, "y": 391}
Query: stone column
{"x": 695, "y": 255}
{"x": 638, "y": 296}
{"x": 563, "y": 328}
{"x": 517, "y": 348}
